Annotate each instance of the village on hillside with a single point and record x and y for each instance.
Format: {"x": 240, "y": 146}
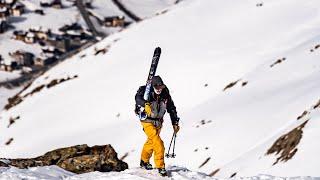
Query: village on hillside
{"x": 54, "y": 44}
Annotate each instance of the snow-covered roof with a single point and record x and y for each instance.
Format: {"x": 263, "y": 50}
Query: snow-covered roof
{"x": 3, "y": 9}
{"x": 46, "y": 1}
{"x": 9, "y": 1}
{"x": 30, "y": 35}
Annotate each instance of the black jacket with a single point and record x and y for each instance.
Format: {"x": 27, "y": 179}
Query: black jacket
{"x": 165, "y": 96}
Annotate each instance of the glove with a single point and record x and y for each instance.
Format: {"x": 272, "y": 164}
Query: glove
{"x": 147, "y": 108}
{"x": 176, "y": 128}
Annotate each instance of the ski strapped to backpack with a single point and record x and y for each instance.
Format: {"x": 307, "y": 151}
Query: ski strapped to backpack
{"x": 152, "y": 72}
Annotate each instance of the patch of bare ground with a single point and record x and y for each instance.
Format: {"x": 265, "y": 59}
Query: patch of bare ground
{"x": 278, "y": 62}
{"x": 287, "y": 144}
{"x": 303, "y": 115}
{"x": 315, "y": 48}
{"x": 244, "y": 83}
{"x": 101, "y": 51}
{"x": 17, "y": 99}
{"x": 205, "y": 162}
{"x": 12, "y": 120}
{"x": 233, "y": 175}
{"x": 317, "y": 105}
{"x": 58, "y": 81}
{"x": 203, "y": 122}
{"x": 214, "y": 172}
{"x": 124, "y": 156}
{"x": 9, "y": 142}
{"x": 230, "y": 85}
{"x": 306, "y": 112}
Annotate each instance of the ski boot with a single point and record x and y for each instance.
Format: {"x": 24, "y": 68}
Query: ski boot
{"x": 162, "y": 172}
{"x": 145, "y": 165}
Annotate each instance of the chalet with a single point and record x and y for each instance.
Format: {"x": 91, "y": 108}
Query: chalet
{"x": 50, "y": 60}
{"x": 9, "y": 2}
{"x": 73, "y": 26}
{"x": 4, "y": 26}
{"x": 57, "y": 4}
{"x": 17, "y": 9}
{"x": 45, "y": 3}
{"x": 41, "y": 34}
{"x": 30, "y": 38}
{"x": 44, "y": 62}
{"x": 4, "y": 13}
{"x": 22, "y": 58}
{"x": 39, "y": 11}
{"x": 114, "y": 21}
{"x": 88, "y": 4}
{"x": 4, "y": 67}
{"x": 19, "y": 35}
{"x": 51, "y": 3}
{"x": 51, "y": 51}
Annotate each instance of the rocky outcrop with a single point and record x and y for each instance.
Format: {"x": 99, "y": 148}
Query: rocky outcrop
{"x": 77, "y": 159}
{"x": 286, "y": 145}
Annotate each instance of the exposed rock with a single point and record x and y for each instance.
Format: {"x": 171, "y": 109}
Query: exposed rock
{"x": 278, "y": 62}
{"x": 13, "y": 101}
{"x": 244, "y": 83}
{"x": 124, "y": 156}
{"x": 12, "y": 120}
{"x": 287, "y": 144}
{"x": 233, "y": 175}
{"x": 317, "y": 105}
{"x": 98, "y": 51}
{"x": 214, "y": 172}
{"x": 205, "y": 162}
{"x": 9, "y": 142}
{"x": 17, "y": 99}
{"x": 302, "y": 115}
{"x": 58, "y": 81}
{"x": 2, "y": 164}
{"x": 231, "y": 85}
{"x": 259, "y": 4}
{"x": 77, "y": 159}
{"x": 203, "y": 122}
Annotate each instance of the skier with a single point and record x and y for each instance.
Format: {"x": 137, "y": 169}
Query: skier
{"x": 160, "y": 101}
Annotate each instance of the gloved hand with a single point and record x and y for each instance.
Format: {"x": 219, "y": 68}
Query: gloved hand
{"x": 176, "y": 128}
{"x": 147, "y": 108}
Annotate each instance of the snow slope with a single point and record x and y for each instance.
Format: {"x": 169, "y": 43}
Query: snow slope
{"x": 54, "y": 173}
{"x": 206, "y": 45}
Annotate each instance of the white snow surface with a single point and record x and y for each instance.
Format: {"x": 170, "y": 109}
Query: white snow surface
{"x": 55, "y": 173}
{"x": 203, "y": 42}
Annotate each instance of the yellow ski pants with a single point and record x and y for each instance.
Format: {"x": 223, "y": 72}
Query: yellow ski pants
{"x": 153, "y": 144}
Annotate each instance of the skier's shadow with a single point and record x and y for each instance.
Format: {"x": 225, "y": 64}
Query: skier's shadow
{"x": 180, "y": 170}
{"x": 176, "y": 169}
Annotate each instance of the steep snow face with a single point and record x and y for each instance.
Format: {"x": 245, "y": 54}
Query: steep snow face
{"x": 206, "y": 45}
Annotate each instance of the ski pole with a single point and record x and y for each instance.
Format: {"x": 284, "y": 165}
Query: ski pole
{"x": 174, "y": 145}
{"x": 168, "y": 155}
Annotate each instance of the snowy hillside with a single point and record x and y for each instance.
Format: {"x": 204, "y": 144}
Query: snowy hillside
{"x": 54, "y": 173}
{"x": 53, "y": 19}
{"x": 240, "y": 73}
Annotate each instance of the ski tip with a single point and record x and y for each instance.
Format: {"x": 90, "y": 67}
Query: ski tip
{"x": 157, "y": 50}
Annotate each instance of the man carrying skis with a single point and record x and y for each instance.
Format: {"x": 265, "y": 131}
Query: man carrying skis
{"x": 159, "y": 102}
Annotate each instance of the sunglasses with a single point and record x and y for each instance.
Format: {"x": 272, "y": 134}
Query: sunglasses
{"x": 159, "y": 87}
